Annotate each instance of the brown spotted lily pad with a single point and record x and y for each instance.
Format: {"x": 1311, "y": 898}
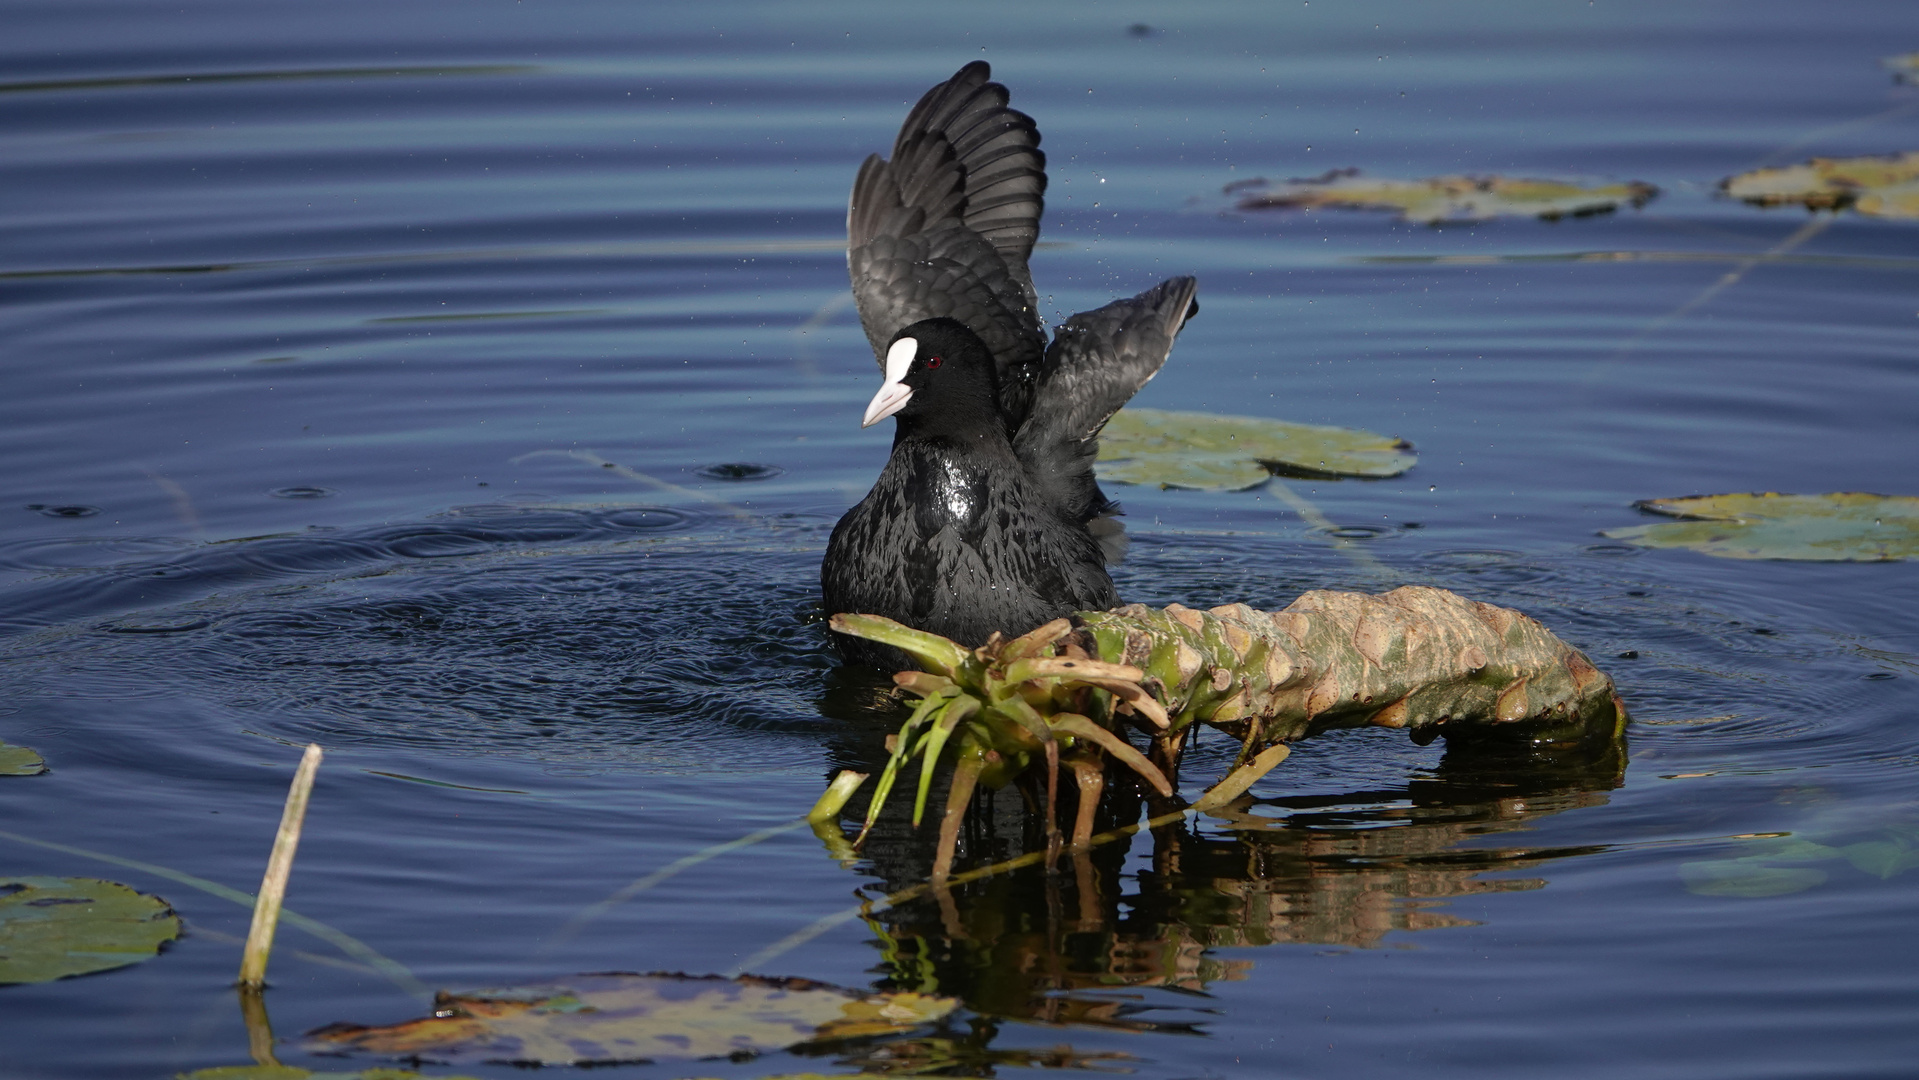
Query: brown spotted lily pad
{"x": 20, "y": 761}
{"x": 618, "y": 1017}
{"x": 53, "y": 927}
{"x": 1442, "y": 198}
{"x": 1204, "y": 452}
{"x": 1846, "y": 526}
{"x": 1882, "y": 186}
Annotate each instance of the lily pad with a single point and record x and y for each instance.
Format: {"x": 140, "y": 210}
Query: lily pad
{"x": 1845, "y": 526}
{"x": 52, "y": 928}
{"x": 618, "y": 1017}
{"x": 20, "y": 761}
{"x": 1882, "y": 186}
{"x": 1205, "y": 452}
{"x": 1442, "y": 198}
{"x": 1882, "y": 858}
{"x": 1739, "y": 877}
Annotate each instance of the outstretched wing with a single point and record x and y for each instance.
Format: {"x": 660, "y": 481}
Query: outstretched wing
{"x": 1098, "y": 361}
{"x": 946, "y": 226}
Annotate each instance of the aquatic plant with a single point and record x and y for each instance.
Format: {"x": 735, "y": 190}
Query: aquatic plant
{"x": 1421, "y": 659}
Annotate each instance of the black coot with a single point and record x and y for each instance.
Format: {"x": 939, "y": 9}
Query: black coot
{"x": 987, "y": 516}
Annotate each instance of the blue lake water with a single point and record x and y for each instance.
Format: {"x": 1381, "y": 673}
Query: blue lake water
{"x": 366, "y": 370}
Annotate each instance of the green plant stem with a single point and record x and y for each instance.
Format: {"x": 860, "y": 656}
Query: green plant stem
{"x": 395, "y": 972}
{"x": 685, "y": 862}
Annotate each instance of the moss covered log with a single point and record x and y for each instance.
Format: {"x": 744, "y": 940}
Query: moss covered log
{"x": 1420, "y": 659}
{"x": 1417, "y": 658}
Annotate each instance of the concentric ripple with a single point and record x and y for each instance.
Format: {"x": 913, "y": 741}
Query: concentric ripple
{"x": 618, "y": 641}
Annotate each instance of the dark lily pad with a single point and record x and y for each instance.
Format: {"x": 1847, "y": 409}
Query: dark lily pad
{"x": 52, "y": 928}
{"x": 20, "y": 761}
{"x": 1205, "y": 452}
{"x": 1442, "y": 198}
{"x": 1881, "y": 186}
{"x": 602, "y": 1019}
{"x": 1846, "y": 526}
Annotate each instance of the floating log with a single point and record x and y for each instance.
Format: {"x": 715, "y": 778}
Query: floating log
{"x": 1420, "y": 659}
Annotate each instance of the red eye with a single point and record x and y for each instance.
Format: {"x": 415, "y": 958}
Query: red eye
{"x": 933, "y": 363}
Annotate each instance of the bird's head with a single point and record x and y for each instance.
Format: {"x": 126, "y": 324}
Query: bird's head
{"x": 937, "y": 372}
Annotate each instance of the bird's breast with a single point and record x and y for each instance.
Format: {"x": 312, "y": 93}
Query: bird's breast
{"x": 948, "y": 491}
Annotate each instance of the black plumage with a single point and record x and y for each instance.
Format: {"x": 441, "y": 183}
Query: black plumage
{"x": 987, "y": 516}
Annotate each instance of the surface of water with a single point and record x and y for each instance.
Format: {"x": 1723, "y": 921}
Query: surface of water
{"x": 366, "y": 370}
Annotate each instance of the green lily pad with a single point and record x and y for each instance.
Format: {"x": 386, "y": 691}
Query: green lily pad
{"x": 602, "y": 1019}
{"x": 52, "y": 928}
{"x": 1905, "y": 68}
{"x": 1442, "y": 198}
{"x": 1739, "y": 877}
{"x": 1755, "y": 874}
{"x": 1789, "y": 849}
{"x": 1882, "y": 186}
{"x": 20, "y": 761}
{"x": 1882, "y": 858}
{"x": 1232, "y": 453}
{"x": 1846, "y": 526}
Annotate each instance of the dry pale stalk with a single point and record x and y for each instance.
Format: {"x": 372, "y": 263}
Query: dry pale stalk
{"x": 273, "y": 887}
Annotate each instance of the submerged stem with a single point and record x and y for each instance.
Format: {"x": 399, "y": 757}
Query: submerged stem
{"x": 958, "y": 797}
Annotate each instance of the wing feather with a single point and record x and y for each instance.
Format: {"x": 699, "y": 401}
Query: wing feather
{"x": 946, "y": 227}
{"x": 1098, "y": 360}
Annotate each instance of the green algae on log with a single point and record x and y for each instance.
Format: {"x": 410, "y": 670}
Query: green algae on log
{"x": 1420, "y": 659}
{"x": 1417, "y": 658}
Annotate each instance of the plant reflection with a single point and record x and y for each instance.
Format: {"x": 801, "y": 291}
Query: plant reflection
{"x": 1073, "y": 945}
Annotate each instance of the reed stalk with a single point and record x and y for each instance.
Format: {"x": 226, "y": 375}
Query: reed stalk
{"x": 273, "y": 887}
